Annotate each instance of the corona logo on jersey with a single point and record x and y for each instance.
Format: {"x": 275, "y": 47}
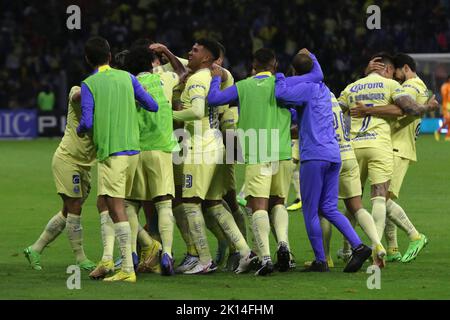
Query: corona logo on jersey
{"x": 359, "y": 87}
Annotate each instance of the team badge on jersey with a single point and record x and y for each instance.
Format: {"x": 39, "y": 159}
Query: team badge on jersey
{"x": 76, "y": 179}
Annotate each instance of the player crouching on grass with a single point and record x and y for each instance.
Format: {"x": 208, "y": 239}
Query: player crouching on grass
{"x": 115, "y": 129}
{"x": 71, "y": 165}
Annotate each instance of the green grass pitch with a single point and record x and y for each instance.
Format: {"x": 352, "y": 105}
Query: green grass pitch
{"x": 28, "y": 200}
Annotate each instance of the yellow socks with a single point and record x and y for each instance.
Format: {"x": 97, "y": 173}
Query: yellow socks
{"x": 144, "y": 239}
{"x": 399, "y": 217}
{"x": 75, "y": 235}
{"x": 325, "y": 225}
{"x": 390, "y": 233}
{"x": 226, "y": 222}
{"x": 261, "y": 231}
{"x": 52, "y": 230}
{"x": 198, "y": 231}
{"x": 183, "y": 226}
{"x": 165, "y": 224}
{"x": 123, "y": 234}
{"x": 379, "y": 214}
{"x": 280, "y": 221}
{"x": 108, "y": 235}
{"x": 213, "y": 225}
{"x": 367, "y": 223}
{"x": 132, "y": 209}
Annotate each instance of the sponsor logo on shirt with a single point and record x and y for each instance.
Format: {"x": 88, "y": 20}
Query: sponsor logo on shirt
{"x": 76, "y": 179}
{"x": 371, "y": 85}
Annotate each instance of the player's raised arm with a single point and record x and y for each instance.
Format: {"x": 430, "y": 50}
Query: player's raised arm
{"x": 291, "y": 95}
{"x": 411, "y": 107}
{"x": 306, "y": 68}
{"x": 87, "y": 110}
{"x": 176, "y": 64}
{"x": 386, "y": 111}
{"x": 143, "y": 97}
{"x": 217, "y": 97}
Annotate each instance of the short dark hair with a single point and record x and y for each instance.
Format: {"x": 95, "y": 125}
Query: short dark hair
{"x": 401, "y": 59}
{"x": 119, "y": 59}
{"x": 97, "y": 50}
{"x": 386, "y": 58}
{"x": 263, "y": 57}
{"x": 302, "y": 63}
{"x": 139, "y": 58}
{"x": 211, "y": 45}
{"x": 222, "y": 48}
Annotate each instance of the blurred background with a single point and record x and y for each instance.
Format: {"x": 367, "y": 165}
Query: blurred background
{"x": 40, "y": 59}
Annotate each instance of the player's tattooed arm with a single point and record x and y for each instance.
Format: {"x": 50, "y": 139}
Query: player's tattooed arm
{"x": 387, "y": 111}
{"x": 410, "y": 107}
{"x": 176, "y": 64}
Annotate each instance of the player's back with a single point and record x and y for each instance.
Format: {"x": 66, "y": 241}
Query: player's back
{"x": 342, "y": 130}
{"x": 259, "y": 113}
{"x": 316, "y": 131}
{"x": 116, "y": 126}
{"x": 156, "y": 128}
{"x": 373, "y": 90}
{"x": 406, "y": 129}
{"x": 73, "y": 148}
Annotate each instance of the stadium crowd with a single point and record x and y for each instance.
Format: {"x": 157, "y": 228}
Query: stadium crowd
{"x": 37, "y": 50}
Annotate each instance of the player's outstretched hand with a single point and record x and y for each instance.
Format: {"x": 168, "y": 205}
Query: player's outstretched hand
{"x": 432, "y": 103}
{"x": 158, "y": 47}
{"x": 360, "y": 111}
{"x": 304, "y": 51}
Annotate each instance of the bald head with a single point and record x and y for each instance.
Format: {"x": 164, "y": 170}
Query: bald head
{"x": 302, "y": 64}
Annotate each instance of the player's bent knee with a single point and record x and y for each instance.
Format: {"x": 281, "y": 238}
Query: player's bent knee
{"x": 380, "y": 189}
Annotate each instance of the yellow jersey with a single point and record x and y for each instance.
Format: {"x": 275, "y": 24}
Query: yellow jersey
{"x": 406, "y": 129}
{"x": 169, "y": 80}
{"x": 373, "y": 90}
{"x": 204, "y": 133}
{"x": 228, "y": 116}
{"x": 72, "y": 148}
{"x": 178, "y": 89}
{"x": 342, "y": 132}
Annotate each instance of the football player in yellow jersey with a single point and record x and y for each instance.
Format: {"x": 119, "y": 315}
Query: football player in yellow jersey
{"x": 204, "y": 151}
{"x": 405, "y": 129}
{"x": 371, "y": 136}
{"x": 350, "y": 191}
{"x": 154, "y": 176}
{"x": 72, "y": 163}
{"x": 228, "y": 117}
{"x": 295, "y": 181}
